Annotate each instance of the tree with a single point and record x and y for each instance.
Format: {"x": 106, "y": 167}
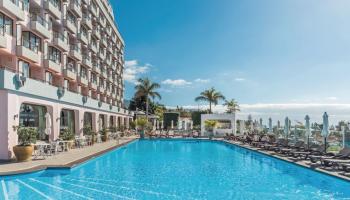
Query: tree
{"x": 211, "y": 96}
{"x": 146, "y": 88}
{"x": 232, "y": 106}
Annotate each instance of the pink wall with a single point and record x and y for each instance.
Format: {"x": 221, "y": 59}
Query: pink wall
{"x": 9, "y": 109}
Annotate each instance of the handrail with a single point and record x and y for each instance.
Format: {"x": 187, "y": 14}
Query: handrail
{"x": 38, "y": 18}
{"x": 60, "y": 36}
{"x": 55, "y": 4}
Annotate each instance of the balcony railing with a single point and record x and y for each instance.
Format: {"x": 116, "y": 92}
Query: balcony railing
{"x": 56, "y": 4}
{"x": 75, "y": 48}
{"x": 71, "y": 68}
{"x": 24, "y": 5}
{"x": 60, "y": 36}
{"x": 40, "y": 20}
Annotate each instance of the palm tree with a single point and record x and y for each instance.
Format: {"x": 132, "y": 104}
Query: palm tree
{"x": 212, "y": 96}
{"x": 146, "y": 88}
{"x": 232, "y": 106}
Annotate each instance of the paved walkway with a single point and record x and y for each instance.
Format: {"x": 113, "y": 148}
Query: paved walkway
{"x": 63, "y": 159}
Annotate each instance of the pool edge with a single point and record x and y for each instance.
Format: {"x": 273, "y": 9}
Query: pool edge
{"x": 67, "y": 166}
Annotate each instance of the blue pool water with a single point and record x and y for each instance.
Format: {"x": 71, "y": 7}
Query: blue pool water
{"x": 177, "y": 169}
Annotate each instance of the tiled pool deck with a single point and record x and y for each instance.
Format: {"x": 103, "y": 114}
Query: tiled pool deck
{"x": 64, "y": 159}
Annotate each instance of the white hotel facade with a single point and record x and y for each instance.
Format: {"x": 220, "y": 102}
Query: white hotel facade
{"x": 62, "y": 57}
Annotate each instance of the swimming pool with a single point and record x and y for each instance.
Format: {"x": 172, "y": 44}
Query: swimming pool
{"x": 177, "y": 169}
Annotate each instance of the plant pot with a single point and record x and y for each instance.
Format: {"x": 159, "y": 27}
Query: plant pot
{"x": 92, "y": 139}
{"x": 70, "y": 144}
{"x": 104, "y": 138}
{"x": 23, "y": 153}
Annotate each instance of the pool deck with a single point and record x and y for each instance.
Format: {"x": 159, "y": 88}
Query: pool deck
{"x": 303, "y": 163}
{"x": 64, "y": 159}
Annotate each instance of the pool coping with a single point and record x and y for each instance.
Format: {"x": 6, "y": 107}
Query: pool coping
{"x": 68, "y": 165}
{"x": 297, "y": 163}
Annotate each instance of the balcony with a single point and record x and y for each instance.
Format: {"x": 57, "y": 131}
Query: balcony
{"x": 74, "y": 6}
{"x": 101, "y": 89}
{"x": 27, "y": 54}
{"x": 70, "y": 25}
{"x": 93, "y": 85}
{"x": 96, "y": 68}
{"x": 97, "y": 33}
{"x": 109, "y": 31}
{"x": 104, "y": 41}
{"x": 110, "y": 78}
{"x": 93, "y": 9}
{"x": 3, "y": 40}
{"x": 69, "y": 73}
{"x": 75, "y": 52}
{"x": 109, "y": 61}
{"x": 102, "y": 55}
{"x": 83, "y": 37}
{"x": 110, "y": 49}
{"x": 14, "y": 9}
{"x": 60, "y": 41}
{"x": 87, "y": 61}
{"x": 83, "y": 80}
{"x": 53, "y": 8}
{"x": 40, "y": 26}
{"x": 103, "y": 73}
{"x": 93, "y": 48}
{"x": 52, "y": 66}
{"x": 87, "y": 21}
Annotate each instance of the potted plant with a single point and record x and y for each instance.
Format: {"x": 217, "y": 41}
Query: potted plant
{"x": 26, "y": 137}
{"x": 141, "y": 125}
{"x": 67, "y": 135}
{"x": 104, "y": 134}
{"x": 87, "y": 130}
{"x": 113, "y": 130}
{"x": 209, "y": 126}
{"x": 121, "y": 129}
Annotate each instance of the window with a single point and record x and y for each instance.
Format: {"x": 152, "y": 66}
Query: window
{"x": 6, "y": 25}
{"x": 24, "y": 68}
{"x": 31, "y": 41}
{"x": 67, "y": 120}
{"x": 83, "y": 72}
{"x": 33, "y": 116}
{"x": 54, "y": 55}
{"x": 48, "y": 77}
{"x": 71, "y": 18}
{"x": 71, "y": 65}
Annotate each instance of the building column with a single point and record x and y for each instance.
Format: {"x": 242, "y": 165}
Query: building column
{"x": 79, "y": 123}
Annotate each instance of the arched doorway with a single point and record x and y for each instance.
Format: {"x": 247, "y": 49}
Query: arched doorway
{"x": 88, "y": 120}
{"x": 33, "y": 116}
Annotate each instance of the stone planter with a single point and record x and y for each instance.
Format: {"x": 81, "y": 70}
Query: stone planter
{"x": 23, "y": 153}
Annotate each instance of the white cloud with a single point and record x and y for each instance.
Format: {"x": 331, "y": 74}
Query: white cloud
{"x": 239, "y": 79}
{"x": 176, "y": 82}
{"x": 133, "y": 70}
{"x": 332, "y": 98}
{"x": 199, "y": 80}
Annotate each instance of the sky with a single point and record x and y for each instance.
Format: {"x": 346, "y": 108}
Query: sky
{"x": 276, "y": 58}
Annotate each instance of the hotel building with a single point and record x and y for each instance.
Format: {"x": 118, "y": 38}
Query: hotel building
{"x": 63, "y": 58}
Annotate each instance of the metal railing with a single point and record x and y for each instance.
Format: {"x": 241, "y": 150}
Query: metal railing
{"x": 38, "y": 18}
{"x": 56, "y": 3}
{"x": 75, "y": 48}
{"x": 60, "y": 36}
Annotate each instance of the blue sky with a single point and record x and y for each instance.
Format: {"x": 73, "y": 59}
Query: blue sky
{"x": 260, "y": 52}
